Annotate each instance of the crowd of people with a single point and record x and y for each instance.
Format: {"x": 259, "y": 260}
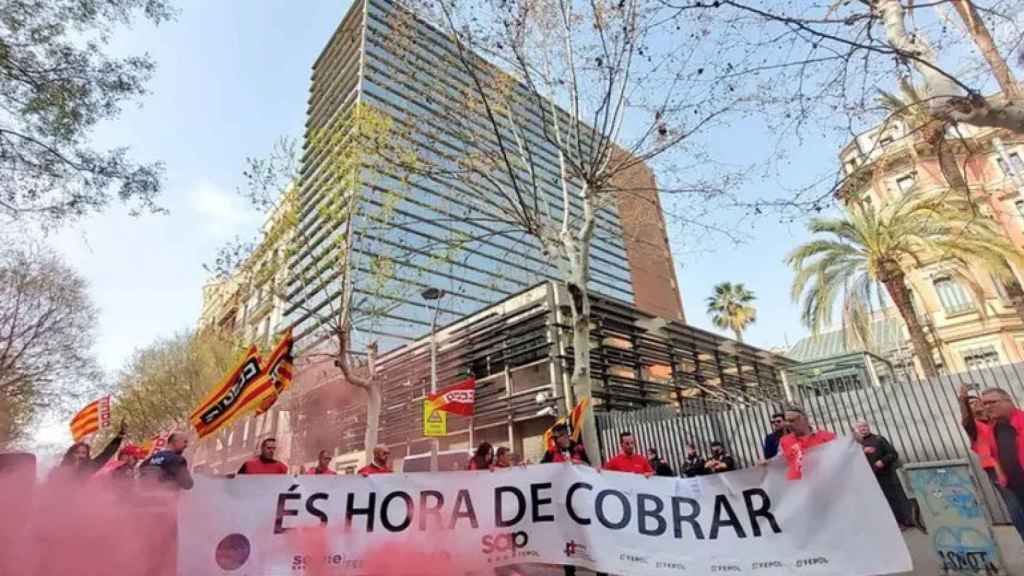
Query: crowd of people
{"x": 991, "y": 419}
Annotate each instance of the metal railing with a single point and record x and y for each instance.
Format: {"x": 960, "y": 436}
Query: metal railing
{"x": 921, "y": 417}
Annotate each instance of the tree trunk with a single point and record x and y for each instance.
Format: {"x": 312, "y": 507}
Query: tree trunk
{"x": 986, "y": 45}
{"x": 582, "y": 386}
{"x": 739, "y": 334}
{"x": 897, "y": 289}
{"x": 374, "y": 400}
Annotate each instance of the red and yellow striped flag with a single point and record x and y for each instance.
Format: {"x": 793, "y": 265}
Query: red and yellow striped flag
{"x": 91, "y": 419}
{"x": 574, "y": 420}
{"x": 220, "y": 407}
{"x": 250, "y": 386}
{"x": 280, "y": 371}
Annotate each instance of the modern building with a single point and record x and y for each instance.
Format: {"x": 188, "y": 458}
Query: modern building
{"x": 519, "y": 352}
{"x": 893, "y": 159}
{"x": 383, "y": 58}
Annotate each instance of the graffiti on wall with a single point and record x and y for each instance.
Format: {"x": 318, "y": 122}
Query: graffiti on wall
{"x": 952, "y": 511}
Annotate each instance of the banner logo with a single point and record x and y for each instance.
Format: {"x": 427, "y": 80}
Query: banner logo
{"x": 232, "y": 552}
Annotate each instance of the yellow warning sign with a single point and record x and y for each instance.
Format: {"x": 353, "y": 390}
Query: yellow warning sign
{"x": 435, "y": 422}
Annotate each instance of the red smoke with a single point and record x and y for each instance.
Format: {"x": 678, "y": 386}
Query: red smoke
{"x": 85, "y": 527}
{"x": 68, "y": 525}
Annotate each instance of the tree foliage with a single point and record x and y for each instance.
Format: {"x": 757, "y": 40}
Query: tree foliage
{"x": 57, "y": 82}
{"x": 47, "y": 327}
{"x": 732, "y": 308}
{"x": 854, "y": 257}
{"x": 162, "y": 383}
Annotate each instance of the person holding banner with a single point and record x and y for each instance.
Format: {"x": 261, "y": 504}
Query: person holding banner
{"x": 168, "y": 468}
{"x": 801, "y": 438}
{"x": 265, "y": 462}
{"x": 628, "y": 460}
{"x": 483, "y": 459}
{"x": 379, "y": 465}
{"x": 564, "y": 448}
{"x": 323, "y": 464}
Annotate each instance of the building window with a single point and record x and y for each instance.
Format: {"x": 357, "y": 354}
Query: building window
{"x": 885, "y": 140}
{"x": 905, "y": 183}
{"x": 1001, "y": 288}
{"x": 980, "y": 357}
{"x": 952, "y": 296}
{"x": 1016, "y": 164}
{"x": 1019, "y": 205}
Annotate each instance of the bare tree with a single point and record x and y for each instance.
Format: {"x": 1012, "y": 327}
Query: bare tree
{"x": 549, "y": 114}
{"x": 47, "y": 325}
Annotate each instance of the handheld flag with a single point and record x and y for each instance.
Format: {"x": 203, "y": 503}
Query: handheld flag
{"x": 91, "y": 419}
{"x": 280, "y": 371}
{"x": 574, "y": 421}
{"x": 456, "y": 399}
{"x": 220, "y": 407}
{"x": 154, "y": 445}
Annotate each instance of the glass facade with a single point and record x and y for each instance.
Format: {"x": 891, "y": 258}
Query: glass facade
{"x": 426, "y": 231}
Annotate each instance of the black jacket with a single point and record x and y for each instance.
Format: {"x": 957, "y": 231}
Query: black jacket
{"x": 694, "y": 466}
{"x": 661, "y": 468}
{"x": 884, "y": 452}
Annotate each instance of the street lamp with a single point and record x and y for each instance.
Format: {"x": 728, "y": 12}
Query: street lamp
{"x": 435, "y": 295}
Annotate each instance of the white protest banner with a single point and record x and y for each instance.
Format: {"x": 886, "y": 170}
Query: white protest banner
{"x": 833, "y": 521}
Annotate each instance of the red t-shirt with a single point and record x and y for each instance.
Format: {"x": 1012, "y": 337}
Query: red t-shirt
{"x": 793, "y": 449}
{"x": 372, "y": 468}
{"x": 635, "y": 464}
{"x": 984, "y": 444}
{"x": 258, "y": 466}
{"x": 326, "y": 472}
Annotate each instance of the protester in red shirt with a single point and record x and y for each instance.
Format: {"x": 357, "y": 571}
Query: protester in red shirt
{"x": 628, "y": 460}
{"x": 379, "y": 464}
{"x": 483, "y": 459}
{"x": 800, "y": 439}
{"x": 265, "y": 462}
{"x": 1008, "y": 439}
{"x": 323, "y": 464}
{"x": 980, "y": 429}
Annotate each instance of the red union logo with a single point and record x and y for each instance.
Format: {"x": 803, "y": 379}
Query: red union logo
{"x": 460, "y": 396}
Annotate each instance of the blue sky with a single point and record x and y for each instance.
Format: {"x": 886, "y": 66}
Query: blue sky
{"x": 231, "y": 78}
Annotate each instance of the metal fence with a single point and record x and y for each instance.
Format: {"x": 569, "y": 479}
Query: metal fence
{"x": 920, "y": 417}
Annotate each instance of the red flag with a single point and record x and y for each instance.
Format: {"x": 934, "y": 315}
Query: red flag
{"x": 456, "y": 399}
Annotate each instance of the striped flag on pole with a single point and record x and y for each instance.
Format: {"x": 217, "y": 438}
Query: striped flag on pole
{"x": 220, "y": 407}
{"x": 574, "y": 421}
{"x": 252, "y": 385}
{"x": 91, "y": 419}
{"x": 280, "y": 371}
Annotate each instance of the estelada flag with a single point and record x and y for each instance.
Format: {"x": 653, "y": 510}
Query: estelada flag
{"x": 91, "y": 419}
{"x": 574, "y": 421}
{"x": 456, "y": 399}
{"x": 231, "y": 395}
{"x": 280, "y": 370}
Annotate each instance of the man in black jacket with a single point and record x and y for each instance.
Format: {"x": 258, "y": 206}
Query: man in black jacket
{"x": 694, "y": 464}
{"x": 884, "y": 461}
{"x": 661, "y": 468}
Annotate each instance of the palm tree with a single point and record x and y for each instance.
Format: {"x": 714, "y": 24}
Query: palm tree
{"x": 731, "y": 307}
{"x": 871, "y": 248}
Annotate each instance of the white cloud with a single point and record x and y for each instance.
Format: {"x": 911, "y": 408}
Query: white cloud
{"x": 223, "y": 213}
